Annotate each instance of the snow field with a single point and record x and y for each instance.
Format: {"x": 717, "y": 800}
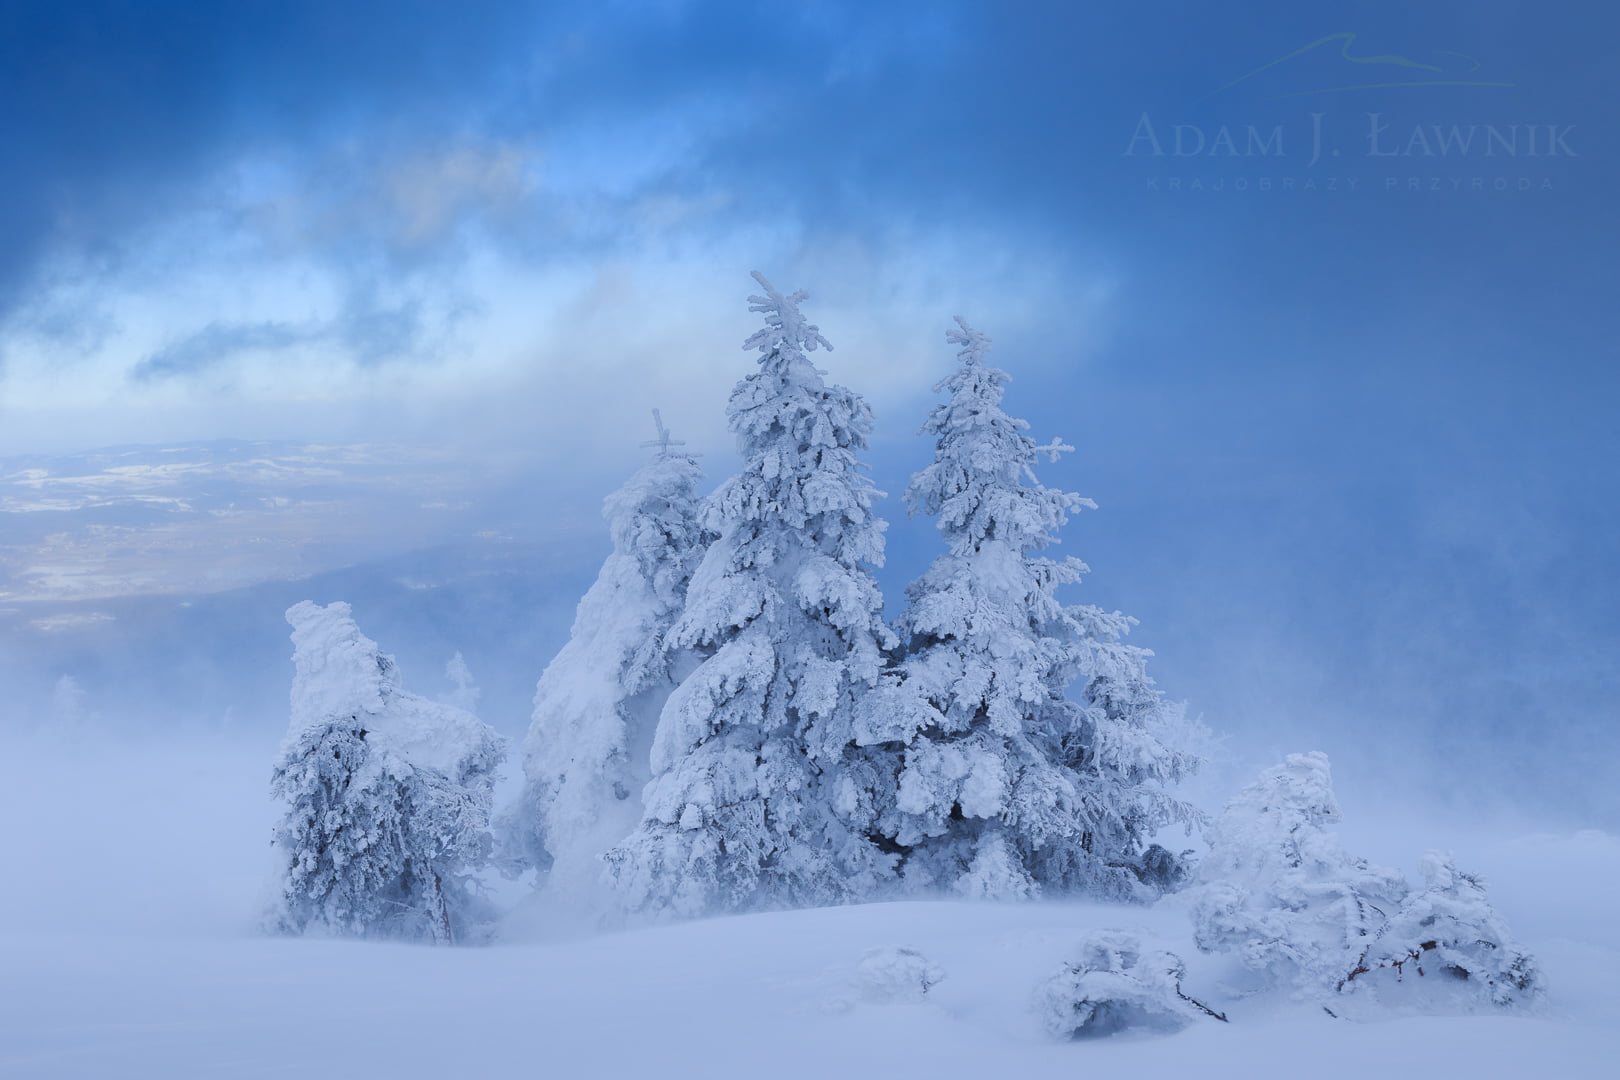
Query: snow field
{"x": 134, "y": 953}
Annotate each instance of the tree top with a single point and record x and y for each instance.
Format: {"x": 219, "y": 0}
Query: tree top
{"x": 664, "y": 441}
{"x": 785, "y": 326}
{"x": 974, "y": 343}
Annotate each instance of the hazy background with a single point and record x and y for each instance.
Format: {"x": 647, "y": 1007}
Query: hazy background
{"x": 370, "y": 302}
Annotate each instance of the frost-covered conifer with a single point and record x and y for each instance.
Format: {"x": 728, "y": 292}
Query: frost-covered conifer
{"x": 999, "y": 784}
{"x": 753, "y": 787}
{"x": 388, "y": 794}
{"x": 585, "y": 758}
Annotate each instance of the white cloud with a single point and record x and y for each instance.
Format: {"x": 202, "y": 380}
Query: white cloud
{"x": 55, "y": 624}
{"x": 543, "y": 355}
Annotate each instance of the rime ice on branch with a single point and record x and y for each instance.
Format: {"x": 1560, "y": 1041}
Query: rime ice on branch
{"x": 753, "y": 789}
{"x": 990, "y": 778}
{"x": 585, "y": 757}
{"x": 388, "y": 795}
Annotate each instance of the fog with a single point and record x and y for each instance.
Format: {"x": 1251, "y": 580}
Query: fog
{"x": 1447, "y": 656}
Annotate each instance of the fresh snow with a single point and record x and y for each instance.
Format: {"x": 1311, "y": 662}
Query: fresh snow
{"x": 134, "y": 960}
{"x": 338, "y": 671}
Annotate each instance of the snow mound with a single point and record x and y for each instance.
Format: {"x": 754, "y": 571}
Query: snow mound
{"x": 896, "y": 973}
{"x": 1116, "y": 984}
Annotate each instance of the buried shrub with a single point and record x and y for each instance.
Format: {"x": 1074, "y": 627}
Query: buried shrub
{"x": 1115, "y": 984}
{"x": 1279, "y": 892}
{"x": 1448, "y": 930}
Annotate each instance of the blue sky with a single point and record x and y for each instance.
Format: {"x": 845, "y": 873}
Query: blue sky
{"x": 1342, "y": 383}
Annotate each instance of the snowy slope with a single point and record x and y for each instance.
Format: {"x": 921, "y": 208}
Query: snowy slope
{"x": 135, "y": 955}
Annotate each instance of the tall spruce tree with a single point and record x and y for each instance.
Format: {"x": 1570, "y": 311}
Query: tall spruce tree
{"x": 999, "y": 783}
{"x": 597, "y": 703}
{"x": 753, "y": 787}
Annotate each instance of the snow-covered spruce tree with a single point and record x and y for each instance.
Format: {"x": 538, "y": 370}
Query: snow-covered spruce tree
{"x": 754, "y": 786}
{"x": 585, "y": 758}
{"x": 388, "y": 795}
{"x": 999, "y": 784}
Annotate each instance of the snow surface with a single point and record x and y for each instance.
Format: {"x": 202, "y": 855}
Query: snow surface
{"x": 136, "y": 874}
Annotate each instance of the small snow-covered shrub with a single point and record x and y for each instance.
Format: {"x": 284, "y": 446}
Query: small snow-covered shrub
{"x": 1448, "y": 932}
{"x": 896, "y": 973}
{"x": 387, "y": 795}
{"x": 1115, "y": 984}
{"x": 1279, "y": 892}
